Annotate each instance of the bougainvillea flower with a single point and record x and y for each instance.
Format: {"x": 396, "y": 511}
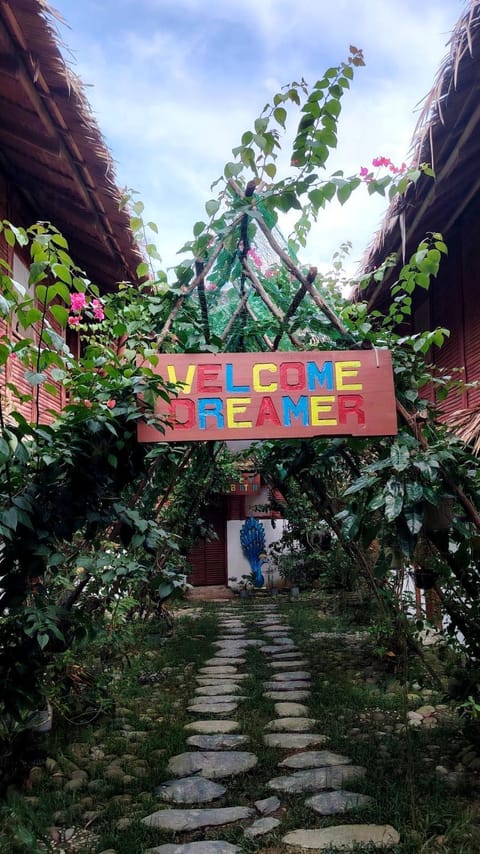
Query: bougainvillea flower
{"x": 98, "y": 311}
{"x": 381, "y": 161}
{"x": 73, "y": 321}
{"x": 78, "y": 301}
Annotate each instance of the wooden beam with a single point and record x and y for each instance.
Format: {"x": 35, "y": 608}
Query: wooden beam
{"x": 14, "y": 136}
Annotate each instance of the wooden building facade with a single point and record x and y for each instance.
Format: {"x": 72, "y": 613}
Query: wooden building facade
{"x": 54, "y": 166}
{"x": 447, "y": 138}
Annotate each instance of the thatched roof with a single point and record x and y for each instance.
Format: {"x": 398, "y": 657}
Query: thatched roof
{"x": 447, "y": 137}
{"x": 51, "y": 149}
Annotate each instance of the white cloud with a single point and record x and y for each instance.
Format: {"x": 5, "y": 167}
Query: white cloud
{"x": 176, "y": 82}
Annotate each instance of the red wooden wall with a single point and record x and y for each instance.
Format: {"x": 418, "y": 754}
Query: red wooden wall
{"x": 11, "y": 208}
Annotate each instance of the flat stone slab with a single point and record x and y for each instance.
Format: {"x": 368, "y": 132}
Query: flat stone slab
{"x": 288, "y": 664}
{"x": 230, "y": 653}
{"x": 218, "y": 698}
{"x": 292, "y": 676}
{"x": 240, "y": 643}
{"x": 280, "y": 653}
{"x": 212, "y": 708}
{"x": 334, "y": 803}
{"x": 193, "y": 819}
{"x": 208, "y": 727}
{"x": 291, "y": 725}
{"x": 291, "y": 710}
{"x": 314, "y": 759}
{"x": 221, "y": 680}
{"x": 261, "y": 827}
{"x": 213, "y": 764}
{"x": 190, "y": 790}
{"x": 268, "y": 805}
{"x": 220, "y": 670}
{"x": 217, "y": 742}
{"x": 222, "y": 688}
{"x": 344, "y": 837}
{"x": 212, "y": 847}
{"x": 317, "y": 779}
{"x": 293, "y": 740}
{"x": 221, "y": 661}
{"x": 292, "y": 695}
{"x": 278, "y": 650}
{"x": 298, "y": 685}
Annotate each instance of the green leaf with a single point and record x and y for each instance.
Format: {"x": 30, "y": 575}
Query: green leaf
{"x": 60, "y": 314}
{"x": 414, "y": 518}
{"x": 280, "y": 116}
{"x": 62, "y": 272}
{"x": 360, "y": 484}
{"x": 399, "y": 456}
{"x": 212, "y": 206}
{"x": 271, "y": 170}
{"x": 414, "y": 491}
{"x": 344, "y": 193}
{"x": 261, "y": 125}
{"x": 34, "y": 378}
{"x": 143, "y": 270}
{"x": 42, "y": 640}
{"x": 333, "y": 107}
{"x": 199, "y": 228}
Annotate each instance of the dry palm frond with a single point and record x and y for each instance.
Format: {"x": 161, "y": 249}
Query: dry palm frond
{"x": 431, "y": 127}
{"x": 465, "y": 423}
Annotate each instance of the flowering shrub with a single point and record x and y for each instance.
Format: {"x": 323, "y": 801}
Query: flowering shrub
{"x": 84, "y": 309}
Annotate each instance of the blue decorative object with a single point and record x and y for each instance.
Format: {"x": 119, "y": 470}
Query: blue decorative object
{"x": 252, "y": 540}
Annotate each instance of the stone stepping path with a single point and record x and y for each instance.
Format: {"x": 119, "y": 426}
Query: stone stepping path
{"x": 191, "y": 790}
{"x": 335, "y": 803}
{"x": 316, "y": 779}
{"x": 186, "y": 820}
{"x": 218, "y": 741}
{"x": 344, "y": 837}
{"x": 212, "y": 847}
{"x": 213, "y": 764}
{"x": 291, "y": 725}
{"x": 217, "y": 751}
{"x": 213, "y": 726}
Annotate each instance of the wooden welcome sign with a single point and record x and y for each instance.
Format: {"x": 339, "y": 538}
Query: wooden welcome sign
{"x": 276, "y": 396}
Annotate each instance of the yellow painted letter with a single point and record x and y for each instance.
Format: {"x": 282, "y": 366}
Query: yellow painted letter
{"x": 347, "y": 369}
{"x": 186, "y": 383}
{"x": 321, "y": 404}
{"x": 236, "y": 405}
{"x": 257, "y": 384}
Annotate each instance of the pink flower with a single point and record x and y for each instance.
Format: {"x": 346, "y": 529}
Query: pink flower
{"x": 381, "y": 161}
{"x": 111, "y": 403}
{"x": 78, "y": 301}
{"x": 210, "y": 286}
{"x": 73, "y": 321}
{"x": 87, "y": 404}
{"x": 253, "y": 254}
{"x": 363, "y": 172}
{"x": 98, "y": 311}
{"x": 269, "y": 274}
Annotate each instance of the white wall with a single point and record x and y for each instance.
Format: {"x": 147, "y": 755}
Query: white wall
{"x": 237, "y": 563}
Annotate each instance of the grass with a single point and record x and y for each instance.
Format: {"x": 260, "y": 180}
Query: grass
{"x": 359, "y": 706}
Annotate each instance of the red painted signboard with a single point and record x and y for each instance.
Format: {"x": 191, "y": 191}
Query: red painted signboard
{"x": 276, "y": 395}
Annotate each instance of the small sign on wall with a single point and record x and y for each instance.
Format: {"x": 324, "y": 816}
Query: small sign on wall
{"x": 247, "y": 484}
{"x": 276, "y": 395}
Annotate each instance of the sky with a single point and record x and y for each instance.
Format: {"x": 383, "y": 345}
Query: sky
{"x": 174, "y": 84}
